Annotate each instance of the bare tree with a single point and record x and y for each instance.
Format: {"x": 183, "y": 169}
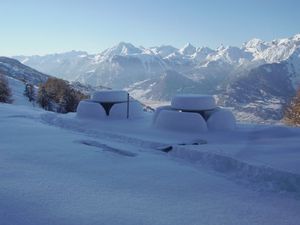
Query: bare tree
{"x": 57, "y": 95}
{"x": 292, "y": 114}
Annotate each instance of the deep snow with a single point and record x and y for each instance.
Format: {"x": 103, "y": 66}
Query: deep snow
{"x": 58, "y": 169}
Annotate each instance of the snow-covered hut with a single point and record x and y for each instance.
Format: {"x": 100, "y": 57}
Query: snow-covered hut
{"x": 109, "y": 104}
{"x": 193, "y": 113}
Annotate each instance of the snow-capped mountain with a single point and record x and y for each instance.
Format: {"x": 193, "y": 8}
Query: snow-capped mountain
{"x": 65, "y": 65}
{"x": 164, "y": 50}
{"x": 114, "y": 66}
{"x": 188, "y": 49}
{"x": 207, "y": 70}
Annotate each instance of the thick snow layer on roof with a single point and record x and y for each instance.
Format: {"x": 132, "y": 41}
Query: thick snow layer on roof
{"x": 193, "y": 102}
{"x": 110, "y": 96}
{"x": 221, "y": 119}
{"x": 90, "y": 110}
{"x": 94, "y": 110}
{"x": 180, "y": 121}
{"x": 119, "y": 111}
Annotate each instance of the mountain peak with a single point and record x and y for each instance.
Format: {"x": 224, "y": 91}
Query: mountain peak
{"x": 125, "y": 44}
{"x": 296, "y": 37}
{"x": 221, "y": 48}
{"x": 164, "y": 50}
{"x": 253, "y": 43}
{"x": 188, "y": 49}
{"x": 123, "y": 48}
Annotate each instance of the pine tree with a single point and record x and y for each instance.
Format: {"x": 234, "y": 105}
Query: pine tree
{"x": 5, "y": 92}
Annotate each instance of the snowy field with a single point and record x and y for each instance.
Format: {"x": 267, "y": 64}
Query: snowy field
{"x": 58, "y": 169}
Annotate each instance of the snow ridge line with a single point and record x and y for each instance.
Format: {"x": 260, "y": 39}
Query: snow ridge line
{"x": 261, "y": 177}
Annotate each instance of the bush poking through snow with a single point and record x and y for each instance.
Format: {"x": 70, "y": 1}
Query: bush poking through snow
{"x": 5, "y": 92}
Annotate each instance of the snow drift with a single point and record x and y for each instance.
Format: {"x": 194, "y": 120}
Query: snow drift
{"x": 193, "y": 113}
{"x": 109, "y": 104}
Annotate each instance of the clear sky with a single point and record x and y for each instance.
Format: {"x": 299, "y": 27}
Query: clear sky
{"x": 48, "y": 26}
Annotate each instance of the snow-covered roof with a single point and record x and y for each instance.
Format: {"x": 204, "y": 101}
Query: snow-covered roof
{"x": 193, "y": 102}
{"x": 110, "y": 96}
{"x": 109, "y": 104}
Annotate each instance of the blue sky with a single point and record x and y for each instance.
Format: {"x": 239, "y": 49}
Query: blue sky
{"x": 39, "y": 27}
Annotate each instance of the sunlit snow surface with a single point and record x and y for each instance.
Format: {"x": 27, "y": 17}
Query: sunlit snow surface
{"x": 58, "y": 169}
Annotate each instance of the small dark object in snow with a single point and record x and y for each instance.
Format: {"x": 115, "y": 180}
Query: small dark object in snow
{"x": 197, "y": 142}
{"x": 105, "y": 147}
{"x": 165, "y": 148}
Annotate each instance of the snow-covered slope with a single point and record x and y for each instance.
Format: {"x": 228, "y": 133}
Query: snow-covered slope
{"x": 17, "y": 88}
{"x": 93, "y": 172}
{"x": 13, "y": 68}
{"x": 19, "y": 74}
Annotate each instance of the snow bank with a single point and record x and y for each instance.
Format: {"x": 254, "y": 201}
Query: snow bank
{"x": 110, "y": 96}
{"x": 185, "y": 107}
{"x": 88, "y": 109}
{"x": 193, "y": 102}
{"x": 180, "y": 121}
{"x": 259, "y": 176}
{"x": 158, "y": 110}
{"x": 119, "y": 111}
{"x": 221, "y": 119}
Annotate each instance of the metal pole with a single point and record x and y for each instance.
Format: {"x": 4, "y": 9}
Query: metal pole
{"x": 127, "y": 105}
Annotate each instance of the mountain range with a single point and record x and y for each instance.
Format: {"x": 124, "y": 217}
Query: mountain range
{"x": 259, "y": 78}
